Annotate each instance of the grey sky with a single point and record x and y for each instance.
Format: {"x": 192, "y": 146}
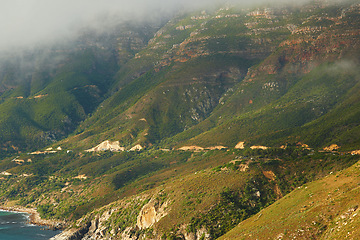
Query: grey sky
{"x": 25, "y": 22}
{"x": 30, "y": 21}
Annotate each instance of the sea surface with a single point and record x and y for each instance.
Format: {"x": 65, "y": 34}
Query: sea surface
{"x": 14, "y": 226}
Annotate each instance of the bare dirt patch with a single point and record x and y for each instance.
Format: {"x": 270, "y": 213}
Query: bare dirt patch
{"x": 240, "y": 145}
{"x": 216, "y": 148}
{"x": 191, "y": 148}
{"x": 259, "y": 147}
{"x": 332, "y": 147}
{"x": 107, "y": 146}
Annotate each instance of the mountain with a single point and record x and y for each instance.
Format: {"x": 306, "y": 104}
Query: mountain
{"x": 186, "y": 128}
{"x": 46, "y": 93}
{"x": 253, "y": 62}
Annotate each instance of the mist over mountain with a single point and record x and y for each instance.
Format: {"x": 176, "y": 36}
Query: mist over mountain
{"x": 38, "y": 22}
{"x": 40, "y": 33}
{"x": 181, "y": 120}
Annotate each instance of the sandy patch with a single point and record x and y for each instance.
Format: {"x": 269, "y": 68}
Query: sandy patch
{"x": 240, "y": 145}
{"x": 39, "y": 152}
{"x": 137, "y": 147}
{"x": 18, "y": 161}
{"x": 303, "y": 145}
{"x": 83, "y": 176}
{"x": 216, "y": 148}
{"x": 165, "y": 150}
{"x": 191, "y": 148}
{"x": 243, "y": 167}
{"x": 355, "y": 152}
{"x": 40, "y": 96}
{"x": 259, "y": 147}
{"x": 332, "y": 147}
{"x": 107, "y": 146}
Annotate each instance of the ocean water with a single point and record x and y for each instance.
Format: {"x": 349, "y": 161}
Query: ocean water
{"x": 13, "y": 226}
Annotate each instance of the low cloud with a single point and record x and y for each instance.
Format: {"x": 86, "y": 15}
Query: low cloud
{"x": 24, "y": 23}
{"x": 29, "y": 22}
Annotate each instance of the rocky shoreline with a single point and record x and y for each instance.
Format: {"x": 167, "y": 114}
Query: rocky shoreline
{"x": 34, "y": 217}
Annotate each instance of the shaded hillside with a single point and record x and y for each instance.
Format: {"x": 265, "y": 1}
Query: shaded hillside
{"x": 46, "y": 93}
{"x": 300, "y": 113}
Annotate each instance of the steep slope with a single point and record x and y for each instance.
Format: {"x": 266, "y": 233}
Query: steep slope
{"x": 48, "y": 92}
{"x": 55, "y": 110}
{"x": 324, "y": 209}
{"x": 238, "y": 75}
{"x": 300, "y": 113}
{"x": 178, "y": 80}
{"x": 151, "y": 152}
{"x": 310, "y": 74}
{"x": 184, "y": 202}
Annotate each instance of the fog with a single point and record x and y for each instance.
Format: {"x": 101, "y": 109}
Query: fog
{"x": 25, "y": 23}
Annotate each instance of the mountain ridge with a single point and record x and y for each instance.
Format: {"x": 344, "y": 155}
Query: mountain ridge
{"x": 131, "y": 136}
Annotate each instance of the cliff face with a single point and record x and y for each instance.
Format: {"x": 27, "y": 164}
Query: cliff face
{"x": 120, "y": 220}
{"x": 315, "y": 40}
{"x": 151, "y": 213}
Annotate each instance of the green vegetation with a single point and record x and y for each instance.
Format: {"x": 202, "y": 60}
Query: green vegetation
{"x": 316, "y": 209}
{"x": 285, "y": 80}
{"x": 232, "y": 208}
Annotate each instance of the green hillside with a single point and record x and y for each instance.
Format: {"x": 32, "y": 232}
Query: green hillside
{"x": 48, "y": 93}
{"x": 324, "y": 209}
{"x": 249, "y": 82}
{"x": 193, "y": 129}
{"x": 308, "y": 112}
{"x": 31, "y": 117}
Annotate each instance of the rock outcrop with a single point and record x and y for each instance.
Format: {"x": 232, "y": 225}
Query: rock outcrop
{"x": 107, "y": 146}
{"x": 104, "y": 225}
{"x": 151, "y": 213}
